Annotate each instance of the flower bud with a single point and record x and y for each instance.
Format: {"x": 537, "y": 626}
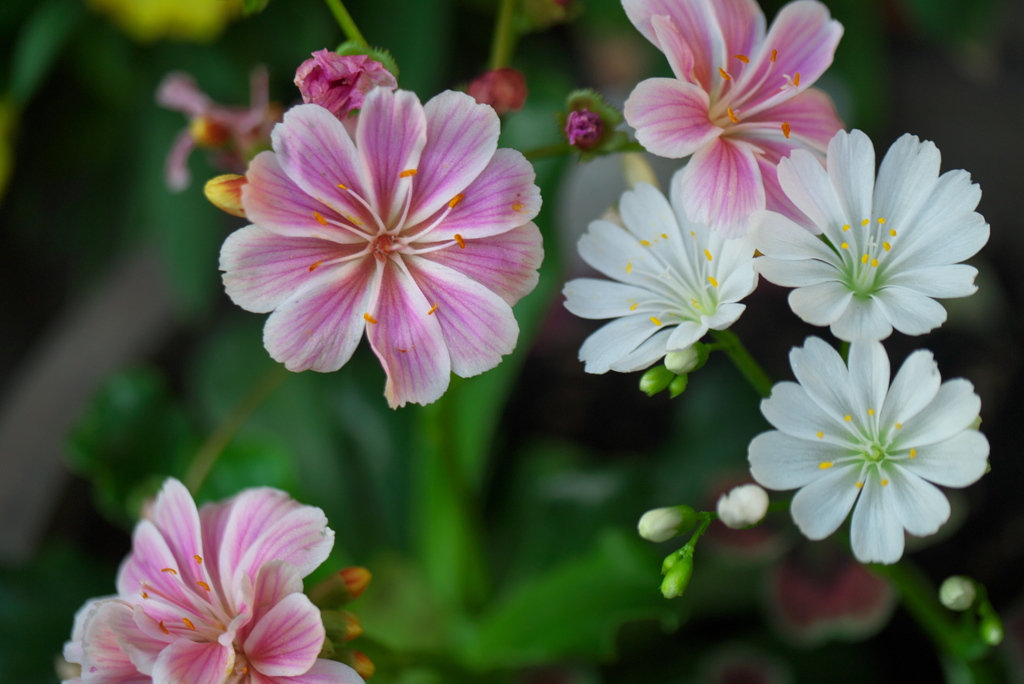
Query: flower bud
{"x": 678, "y": 577}
{"x": 660, "y": 524}
{"x": 346, "y": 585}
{"x": 687, "y": 360}
{"x": 225, "y": 193}
{"x": 504, "y": 89}
{"x": 743, "y": 506}
{"x": 678, "y": 386}
{"x": 991, "y": 628}
{"x": 583, "y": 128}
{"x": 340, "y": 83}
{"x": 957, "y": 592}
{"x": 656, "y": 380}
{"x": 341, "y": 626}
{"x": 363, "y": 666}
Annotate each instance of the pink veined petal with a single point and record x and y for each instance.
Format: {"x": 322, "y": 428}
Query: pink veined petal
{"x": 102, "y": 659}
{"x": 671, "y": 42}
{"x": 316, "y": 153}
{"x": 805, "y": 38}
{"x": 723, "y": 182}
{"x": 178, "y": 92}
{"x": 391, "y": 135}
{"x": 262, "y": 268}
{"x": 152, "y": 568}
{"x": 408, "y": 342}
{"x": 477, "y": 324}
{"x": 462, "y": 136}
{"x": 287, "y": 640}
{"x": 671, "y": 117}
{"x": 813, "y": 122}
{"x": 501, "y": 198}
{"x": 323, "y": 672}
{"x": 742, "y": 24}
{"x": 176, "y": 172}
{"x": 174, "y": 513}
{"x": 319, "y": 326}
{"x": 506, "y": 263}
{"x": 213, "y": 520}
{"x": 141, "y": 637}
{"x": 273, "y": 201}
{"x": 275, "y": 580}
{"x": 192, "y": 662}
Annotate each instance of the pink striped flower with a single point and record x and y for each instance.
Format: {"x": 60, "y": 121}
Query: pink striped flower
{"x": 740, "y": 100}
{"x": 416, "y": 229}
{"x": 212, "y": 597}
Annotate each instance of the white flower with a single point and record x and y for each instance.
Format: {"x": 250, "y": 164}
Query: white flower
{"x": 660, "y": 524}
{"x": 893, "y": 244}
{"x": 676, "y": 279}
{"x": 845, "y": 436}
{"x": 957, "y": 592}
{"x": 743, "y": 506}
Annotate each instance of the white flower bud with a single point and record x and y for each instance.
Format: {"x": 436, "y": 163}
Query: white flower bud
{"x": 957, "y": 592}
{"x": 682, "y": 362}
{"x": 661, "y": 524}
{"x": 743, "y": 506}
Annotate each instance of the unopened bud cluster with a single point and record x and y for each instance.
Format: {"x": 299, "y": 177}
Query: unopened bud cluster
{"x": 673, "y": 375}
{"x": 343, "y": 626}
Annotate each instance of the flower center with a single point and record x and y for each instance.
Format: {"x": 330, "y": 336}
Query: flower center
{"x": 864, "y": 250}
{"x": 383, "y": 245}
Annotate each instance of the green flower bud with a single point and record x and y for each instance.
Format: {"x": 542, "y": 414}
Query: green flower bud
{"x": 678, "y": 386}
{"x": 661, "y": 524}
{"x": 687, "y": 360}
{"x": 678, "y": 577}
{"x": 655, "y": 380}
{"x": 991, "y": 626}
{"x": 958, "y": 592}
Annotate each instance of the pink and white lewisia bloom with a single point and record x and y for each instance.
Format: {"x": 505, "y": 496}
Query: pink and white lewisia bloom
{"x": 846, "y": 439}
{"x": 340, "y": 82}
{"x": 740, "y": 100}
{"x": 417, "y": 230}
{"x": 212, "y": 597}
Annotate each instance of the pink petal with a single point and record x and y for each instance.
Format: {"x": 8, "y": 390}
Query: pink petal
{"x": 287, "y": 641}
{"x": 319, "y": 326}
{"x": 152, "y": 569}
{"x": 174, "y": 513}
{"x": 671, "y": 117}
{"x": 477, "y": 324}
{"x": 323, "y": 672}
{"x": 261, "y": 268}
{"x": 812, "y": 120}
{"x": 742, "y": 24}
{"x": 178, "y": 92}
{"x": 723, "y": 183}
{"x": 505, "y": 264}
{"x": 191, "y": 662}
{"x": 274, "y": 581}
{"x": 678, "y": 52}
{"x": 804, "y": 37}
{"x": 273, "y": 201}
{"x": 317, "y": 155}
{"x": 102, "y": 659}
{"x": 391, "y": 134}
{"x": 176, "y": 172}
{"x": 462, "y": 136}
{"x": 501, "y": 198}
{"x": 408, "y": 341}
{"x": 142, "y": 638}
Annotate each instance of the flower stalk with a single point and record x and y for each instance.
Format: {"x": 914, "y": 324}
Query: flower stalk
{"x": 730, "y": 343}
{"x": 505, "y": 35}
{"x": 345, "y": 21}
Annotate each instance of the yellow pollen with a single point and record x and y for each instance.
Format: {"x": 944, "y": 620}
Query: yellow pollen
{"x": 144, "y": 594}
{"x": 724, "y": 74}
{"x": 886, "y": 246}
{"x": 786, "y": 130}
{"x": 319, "y": 218}
{"x": 407, "y": 173}
{"x": 821, "y": 435}
{"x": 874, "y": 263}
{"x": 655, "y": 321}
{"x": 847, "y": 417}
{"x": 871, "y": 412}
{"x": 163, "y": 628}
{"x": 775, "y": 54}
{"x": 899, "y": 426}
{"x": 864, "y": 259}
{"x": 198, "y": 558}
{"x": 742, "y": 58}
{"x": 369, "y": 319}
{"x": 860, "y": 485}
{"x": 913, "y": 453}
{"x": 170, "y": 570}
{"x": 633, "y": 306}
{"x": 693, "y": 235}
{"x": 664, "y": 236}
{"x": 707, "y": 254}
{"x": 454, "y": 201}
{"x": 645, "y": 243}
{"x": 881, "y": 220}
{"x": 188, "y": 623}
{"x": 354, "y": 220}
{"x": 825, "y": 465}
{"x": 342, "y": 186}
{"x": 695, "y": 304}
{"x": 732, "y": 115}
{"x": 458, "y": 239}
{"x": 313, "y": 266}
{"x": 204, "y": 585}
{"x": 517, "y": 206}
{"x": 714, "y": 283}
{"x": 885, "y": 483}
{"x": 892, "y": 232}
{"x": 845, "y": 245}
{"x": 846, "y": 227}
{"x": 865, "y": 222}
{"x": 629, "y": 267}
{"x": 432, "y": 309}
{"x": 796, "y": 79}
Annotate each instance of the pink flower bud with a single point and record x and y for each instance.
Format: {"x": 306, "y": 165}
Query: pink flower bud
{"x": 584, "y": 128}
{"x": 504, "y": 89}
{"x": 340, "y": 83}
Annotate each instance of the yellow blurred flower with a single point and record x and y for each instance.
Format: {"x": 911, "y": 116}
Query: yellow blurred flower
{"x": 150, "y": 20}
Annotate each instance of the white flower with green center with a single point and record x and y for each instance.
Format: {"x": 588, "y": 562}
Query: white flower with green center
{"x": 891, "y": 246}
{"x": 676, "y": 280}
{"x": 847, "y": 439}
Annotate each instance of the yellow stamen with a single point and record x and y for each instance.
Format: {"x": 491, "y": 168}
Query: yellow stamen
{"x": 899, "y": 426}
{"x": 786, "y": 130}
{"x": 821, "y": 435}
{"x": 871, "y": 412}
{"x": 369, "y": 319}
{"x": 342, "y": 186}
{"x": 874, "y": 263}
{"x": 732, "y": 115}
{"x": 204, "y": 585}
{"x": 170, "y": 570}
{"x": 432, "y": 309}
{"x": 655, "y": 321}
{"x": 407, "y": 173}
{"x": 845, "y": 245}
{"x": 163, "y": 628}
{"x": 742, "y": 58}
{"x": 319, "y": 218}
{"x": 885, "y": 483}
{"x": 199, "y": 559}
{"x": 454, "y": 201}
{"x": 664, "y": 236}
{"x": 707, "y": 254}
{"x": 825, "y": 465}
{"x": 724, "y": 74}
{"x": 633, "y": 306}
{"x": 847, "y": 417}
{"x": 714, "y": 283}
{"x": 881, "y": 220}
{"x": 892, "y": 232}
{"x": 913, "y": 453}
{"x": 846, "y": 227}
{"x": 695, "y": 304}
{"x": 865, "y": 222}
{"x": 645, "y": 243}
{"x": 860, "y": 485}
{"x": 886, "y": 246}
{"x": 517, "y": 206}
{"x": 864, "y": 259}
{"x": 629, "y": 267}
{"x": 144, "y": 594}
{"x": 188, "y": 623}
{"x": 458, "y": 239}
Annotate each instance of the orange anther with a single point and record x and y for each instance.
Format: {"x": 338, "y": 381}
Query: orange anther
{"x": 462, "y": 243}
{"x": 732, "y": 115}
{"x": 170, "y": 570}
{"x": 313, "y": 266}
{"x": 796, "y": 79}
{"x": 369, "y": 319}
{"x": 775, "y": 54}
{"x": 144, "y": 594}
{"x": 204, "y": 585}
{"x": 724, "y": 74}
{"x": 432, "y": 309}
{"x": 786, "y": 128}
{"x": 198, "y": 559}
{"x": 742, "y": 58}
{"x": 188, "y": 623}
{"x": 163, "y": 628}
{"x": 407, "y": 173}
{"x": 319, "y": 218}
{"x": 454, "y": 201}
{"x": 342, "y": 186}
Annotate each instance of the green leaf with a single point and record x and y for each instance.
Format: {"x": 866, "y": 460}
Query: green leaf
{"x": 254, "y": 6}
{"x": 576, "y": 609}
{"x": 39, "y": 44}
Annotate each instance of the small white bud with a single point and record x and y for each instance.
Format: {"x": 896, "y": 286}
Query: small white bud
{"x": 682, "y": 362}
{"x": 957, "y": 592}
{"x": 743, "y": 506}
{"x": 661, "y": 524}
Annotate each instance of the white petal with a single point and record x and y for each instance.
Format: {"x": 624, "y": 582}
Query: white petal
{"x": 685, "y": 334}
{"x": 876, "y": 532}
{"x": 807, "y": 184}
{"x": 914, "y": 386}
{"x": 726, "y": 315}
{"x": 955, "y": 462}
{"x": 821, "y": 304}
{"x": 776, "y": 236}
{"x": 647, "y": 353}
{"x": 851, "y": 167}
{"x": 736, "y": 284}
{"x": 910, "y": 312}
{"x": 613, "y": 251}
{"x": 594, "y": 298}
{"x": 791, "y": 410}
{"x": 821, "y": 507}
{"x": 789, "y": 273}
{"x": 869, "y": 373}
{"x": 922, "y": 509}
{"x": 953, "y": 409}
{"x": 955, "y": 280}
{"x": 780, "y": 461}
{"x": 821, "y": 372}
{"x": 614, "y": 341}
{"x": 906, "y": 178}
{"x": 862, "y": 320}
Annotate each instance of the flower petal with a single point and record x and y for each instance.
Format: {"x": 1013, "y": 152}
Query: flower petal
{"x": 781, "y": 461}
{"x": 913, "y": 388}
{"x": 869, "y": 376}
{"x": 813, "y": 122}
{"x": 910, "y": 312}
{"x": 819, "y": 508}
{"x": 671, "y": 117}
{"x": 462, "y": 136}
{"x": 807, "y": 184}
{"x": 506, "y": 263}
{"x": 778, "y": 237}
{"x": 408, "y": 341}
{"x": 953, "y": 409}
{"x": 821, "y": 304}
{"x": 102, "y": 659}
{"x": 319, "y": 326}
{"x": 851, "y": 167}
{"x": 287, "y": 641}
{"x": 192, "y": 662}
{"x": 863, "y": 319}
{"x": 323, "y": 672}
{"x": 477, "y": 324}
{"x": 653, "y": 349}
{"x": 953, "y": 280}
{"x": 174, "y": 513}
{"x": 671, "y": 42}
{"x": 262, "y": 268}
{"x": 723, "y": 182}
{"x": 614, "y": 251}
{"x": 821, "y": 372}
{"x": 611, "y": 343}
{"x": 275, "y": 580}
{"x": 594, "y": 298}
{"x": 796, "y": 273}
{"x": 686, "y": 334}
{"x": 876, "y": 531}
{"x": 391, "y": 133}
{"x": 920, "y": 507}
{"x": 958, "y": 461}
{"x": 793, "y": 411}
{"x": 906, "y": 179}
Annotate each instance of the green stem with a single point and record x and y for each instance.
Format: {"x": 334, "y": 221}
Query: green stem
{"x": 345, "y": 22}
{"x": 504, "y": 35}
{"x": 743, "y": 361}
{"x": 211, "y": 449}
